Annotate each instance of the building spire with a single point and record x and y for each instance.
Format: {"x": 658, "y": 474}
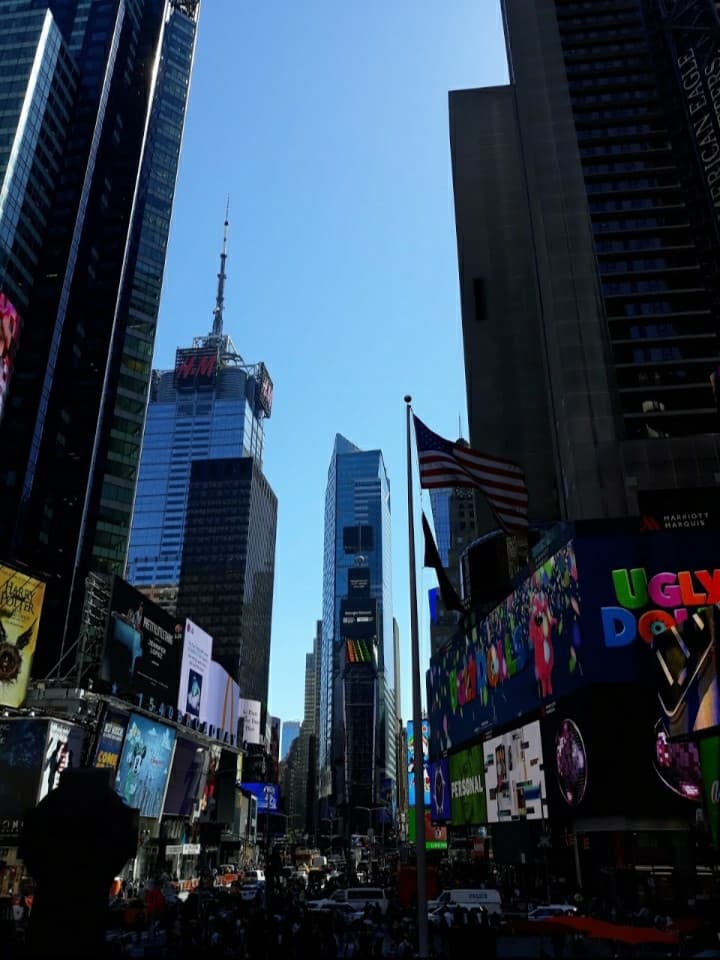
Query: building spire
{"x": 222, "y": 277}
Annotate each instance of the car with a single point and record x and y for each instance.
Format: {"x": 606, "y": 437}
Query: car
{"x": 448, "y": 912}
{"x": 250, "y": 891}
{"x": 547, "y": 910}
{"x": 254, "y": 876}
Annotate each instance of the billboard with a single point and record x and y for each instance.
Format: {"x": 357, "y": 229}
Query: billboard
{"x": 21, "y": 600}
{"x": 411, "y": 762}
{"x": 185, "y": 778}
{"x": 63, "y": 749}
{"x": 195, "y": 367}
{"x": 141, "y": 656}
{"x": 265, "y": 389}
{"x": 194, "y": 669}
{"x": 607, "y": 753}
{"x": 691, "y": 27}
{"x": 110, "y": 741}
{"x": 145, "y": 765}
{"x": 223, "y": 701}
{"x": 22, "y": 748}
{"x": 267, "y": 795}
{"x": 650, "y": 616}
{"x": 611, "y": 605}
{"x": 9, "y": 337}
{"x": 468, "y": 804}
{"x": 514, "y": 775}
{"x": 526, "y": 652}
{"x": 435, "y": 835}
{"x": 440, "y": 790}
{"x": 250, "y": 712}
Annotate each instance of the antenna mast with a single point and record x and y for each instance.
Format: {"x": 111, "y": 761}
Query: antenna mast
{"x": 222, "y": 277}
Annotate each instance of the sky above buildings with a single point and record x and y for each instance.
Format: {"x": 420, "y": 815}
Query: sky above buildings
{"x": 327, "y": 124}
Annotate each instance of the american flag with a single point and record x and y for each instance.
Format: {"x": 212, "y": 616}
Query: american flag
{"x": 447, "y": 464}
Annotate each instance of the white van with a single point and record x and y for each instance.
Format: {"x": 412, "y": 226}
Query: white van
{"x": 361, "y": 896}
{"x": 489, "y": 899}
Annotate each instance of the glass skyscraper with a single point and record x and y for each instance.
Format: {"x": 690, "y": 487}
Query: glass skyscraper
{"x": 228, "y": 566}
{"x": 94, "y": 97}
{"x": 357, "y": 748}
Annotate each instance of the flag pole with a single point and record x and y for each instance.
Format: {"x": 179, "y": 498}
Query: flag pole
{"x": 418, "y": 766}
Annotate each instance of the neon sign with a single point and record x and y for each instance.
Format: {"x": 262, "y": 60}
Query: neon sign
{"x": 671, "y": 594}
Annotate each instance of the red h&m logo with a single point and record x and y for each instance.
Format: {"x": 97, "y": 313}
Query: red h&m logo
{"x": 196, "y": 365}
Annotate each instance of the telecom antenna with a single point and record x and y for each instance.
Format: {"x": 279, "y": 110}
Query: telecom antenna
{"x": 217, "y": 328}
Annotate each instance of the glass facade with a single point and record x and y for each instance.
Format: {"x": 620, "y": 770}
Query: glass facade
{"x": 228, "y": 566}
{"x": 94, "y": 96}
{"x": 205, "y": 422}
{"x": 357, "y": 700}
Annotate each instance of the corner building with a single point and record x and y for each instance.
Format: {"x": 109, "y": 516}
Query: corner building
{"x": 357, "y": 745}
{"x": 587, "y": 225}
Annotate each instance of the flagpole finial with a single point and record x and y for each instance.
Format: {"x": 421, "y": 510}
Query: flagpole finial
{"x": 407, "y": 398}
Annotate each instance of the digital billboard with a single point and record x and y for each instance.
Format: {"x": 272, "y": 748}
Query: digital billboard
{"x": 145, "y": 765}
{"x": 21, "y": 600}
{"x": 185, "y": 778}
{"x": 110, "y": 740}
{"x": 267, "y": 795}
{"x": 514, "y": 775}
{"x": 63, "y": 750}
{"x": 607, "y": 753}
{"x": 440, "y": 790}
{"x": 195, "y": 367}
{"x": 411, "y": 762}
{"x": 9, "y": 338}
{"x": 223, "y": 701}
{"x": 435, "y": 835}
{"x": 22, "y": 748}
{"x": 194, "y": 669}
{"x": 612, "y": 605}
{"x": 650, "y": 616}
{"x": 141, "y": 655}
{"x": 265, "y": 389}
{"x": 468, "y": 803}
{"x": 250, "y": 711}
{"x": 526, "y": 652}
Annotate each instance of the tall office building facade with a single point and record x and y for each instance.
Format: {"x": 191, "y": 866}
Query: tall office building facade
{"x": 585, "y": 201}
{"x": 227, "y": 572}
{"x": 290, "y": 733}
{"x": 357, "y": 746}
{"x": 89, "y": 150}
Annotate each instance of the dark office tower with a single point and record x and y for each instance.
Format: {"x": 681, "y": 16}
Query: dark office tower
{"x": 228, "y": 566}
{"x": 357, "y": 747}
{"x": 91, "y": 132}
{"x": 585, "y": 197}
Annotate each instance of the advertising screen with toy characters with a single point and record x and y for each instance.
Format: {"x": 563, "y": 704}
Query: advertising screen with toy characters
{"x": 526, "y": 652}
{"x": 145, "y": 763}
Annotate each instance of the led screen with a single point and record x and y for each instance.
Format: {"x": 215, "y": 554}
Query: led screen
{"x": 194, "y": 686}
{"x": 514, "y": 775}
{"x": 21, "y": 601}
{"x": 142, "y": 649}
{"x": 9, "y": 337}
{"x": 110, "y": 740}
{"x": 467, "y": 787}
{"x": 145, "y": 765}
{"x": 411, "y": 762}
{"x": 63, "y": 750}
{"x": 185, "y": 779}
{"x": 267, "y": 795}
{"x": 440, "y": 790}
{"x": 22, "y": 748}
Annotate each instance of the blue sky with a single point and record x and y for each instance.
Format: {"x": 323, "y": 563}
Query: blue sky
{"x": 327, "y": 124}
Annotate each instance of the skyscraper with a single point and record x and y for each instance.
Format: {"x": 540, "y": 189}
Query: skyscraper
{"x": 357, "y": 747}
{"x": 89, "y": 152}
{"x": 588, "y": 240}
{"x": 290, "y": 732}
{"x": 228, "y": 566}
{"x": 212, "y": 405}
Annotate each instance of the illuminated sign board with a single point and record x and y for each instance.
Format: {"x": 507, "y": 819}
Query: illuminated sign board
{"x": 145, "y": 764}
{"x": 265, "y": 389}
{"x": 9, "y": 336}
{"x": 267, "y": 795}
{"x": 21, "y": 601}
{"x": 514, "y": 775}
{"x": 467, "y": 787}
{"x": 195, "y": 368}
{"x": 411, "y": 762}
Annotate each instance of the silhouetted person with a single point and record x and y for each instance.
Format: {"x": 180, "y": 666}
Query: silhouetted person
{"x": 74, "y": 842}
